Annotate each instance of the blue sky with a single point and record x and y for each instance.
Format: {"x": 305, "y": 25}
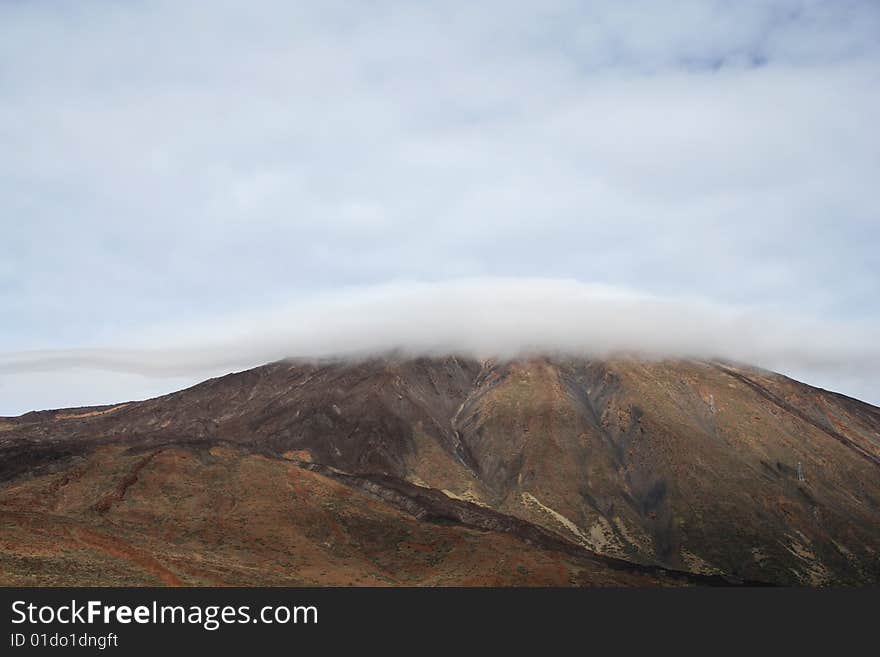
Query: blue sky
{"x": 177, "y": 174}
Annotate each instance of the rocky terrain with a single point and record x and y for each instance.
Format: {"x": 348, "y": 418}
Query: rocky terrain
{"x": 450, "y": 471}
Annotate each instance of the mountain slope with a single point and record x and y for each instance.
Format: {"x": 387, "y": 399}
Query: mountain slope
{"x": 618, "y": 471}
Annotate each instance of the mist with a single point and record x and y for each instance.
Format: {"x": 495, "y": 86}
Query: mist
{"x": 476, "y": 317}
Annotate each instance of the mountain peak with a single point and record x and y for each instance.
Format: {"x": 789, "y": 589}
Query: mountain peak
{"x": 701, "y": 469}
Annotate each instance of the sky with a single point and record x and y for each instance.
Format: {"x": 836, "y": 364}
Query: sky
{"x": 189, "y": 188}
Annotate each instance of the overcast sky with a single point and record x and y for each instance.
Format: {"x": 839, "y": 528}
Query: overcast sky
{"x": 188, "y": 188}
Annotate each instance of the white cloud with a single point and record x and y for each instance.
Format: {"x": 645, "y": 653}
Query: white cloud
{"x": 487, "y": 317}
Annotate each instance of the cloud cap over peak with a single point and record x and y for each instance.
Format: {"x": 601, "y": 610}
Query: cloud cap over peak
{"x": 480, "y": 317}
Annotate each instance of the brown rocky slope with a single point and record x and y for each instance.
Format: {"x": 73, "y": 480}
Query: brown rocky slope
{"x": 537, "y": 471}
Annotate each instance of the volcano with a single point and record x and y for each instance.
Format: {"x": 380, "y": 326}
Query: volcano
{"x": 538, "y": 471}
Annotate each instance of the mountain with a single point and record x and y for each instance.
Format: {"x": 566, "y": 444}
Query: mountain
{"x": 450, "y": 471}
